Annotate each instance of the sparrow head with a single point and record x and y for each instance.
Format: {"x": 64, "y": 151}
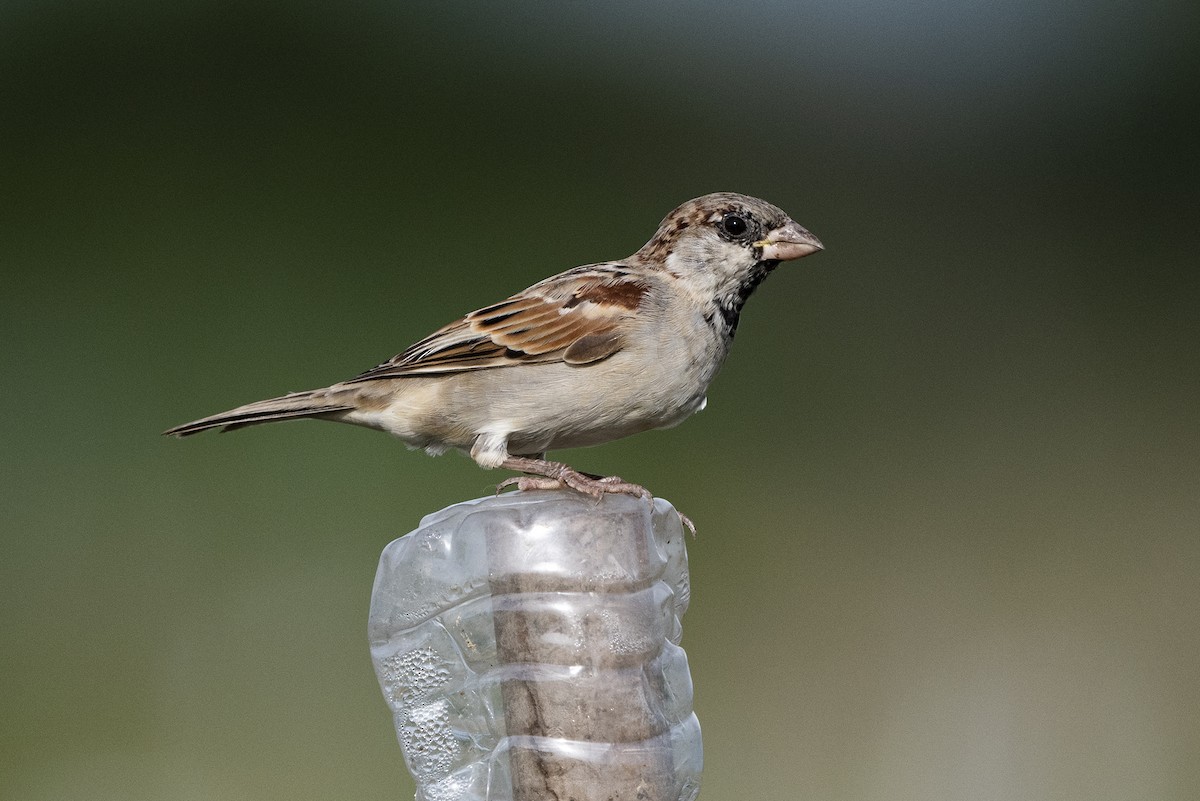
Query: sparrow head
{"x": 724, "y": 244}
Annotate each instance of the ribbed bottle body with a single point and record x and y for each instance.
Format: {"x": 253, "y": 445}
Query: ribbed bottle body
{"x": 528, "y": 646}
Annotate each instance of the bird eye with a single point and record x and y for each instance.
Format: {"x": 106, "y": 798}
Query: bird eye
{"x": 734, "y": 224}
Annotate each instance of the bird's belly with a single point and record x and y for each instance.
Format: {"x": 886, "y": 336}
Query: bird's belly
{"x": 546, "y": 407}
{"x": 581, "y": 426}
{"x": 535, "y": 408}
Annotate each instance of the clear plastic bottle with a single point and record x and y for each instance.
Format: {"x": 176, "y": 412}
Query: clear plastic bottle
{"x": 528, "y": 646}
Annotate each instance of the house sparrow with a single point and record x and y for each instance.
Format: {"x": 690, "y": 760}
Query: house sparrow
{"x": 595, "y": 353}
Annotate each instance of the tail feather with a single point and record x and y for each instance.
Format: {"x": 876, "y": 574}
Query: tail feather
{"x": 288, "y": 407}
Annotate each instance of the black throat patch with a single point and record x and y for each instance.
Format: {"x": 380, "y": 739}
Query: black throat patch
{"x": 730, "y": 305}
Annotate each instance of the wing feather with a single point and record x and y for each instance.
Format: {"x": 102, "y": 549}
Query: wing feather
{"x": 576, "y": 317}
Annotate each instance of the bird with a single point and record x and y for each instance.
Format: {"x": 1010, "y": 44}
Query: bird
{"x": 587, "y": 356}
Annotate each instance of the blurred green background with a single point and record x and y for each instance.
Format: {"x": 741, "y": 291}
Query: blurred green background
{"x": 947, "y": 486}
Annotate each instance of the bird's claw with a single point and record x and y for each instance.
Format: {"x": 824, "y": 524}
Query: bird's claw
{"x": 593, "y": 486}
{"x": 580, "y": 482}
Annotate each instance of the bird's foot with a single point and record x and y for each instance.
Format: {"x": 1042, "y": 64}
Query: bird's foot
{"x": 580, "y": 482}
{"x": 546, "y": 475}
{"x": 543, "y": 474}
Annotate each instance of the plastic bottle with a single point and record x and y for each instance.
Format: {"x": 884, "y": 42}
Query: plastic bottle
{"x": 528, "y": 646}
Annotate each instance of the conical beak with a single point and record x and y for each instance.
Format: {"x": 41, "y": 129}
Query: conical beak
{"x": 787, "y": 242}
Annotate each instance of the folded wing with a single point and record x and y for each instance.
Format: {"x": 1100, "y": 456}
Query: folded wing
{"x": 578, "y": 317}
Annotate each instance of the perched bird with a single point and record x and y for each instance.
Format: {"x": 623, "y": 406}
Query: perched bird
{"x": 587, "y": 356}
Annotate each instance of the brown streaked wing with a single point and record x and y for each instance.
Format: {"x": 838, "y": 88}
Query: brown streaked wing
{"x": 577, "y": 319}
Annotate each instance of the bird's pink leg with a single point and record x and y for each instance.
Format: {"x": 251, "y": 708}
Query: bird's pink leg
{"x": 556, "y": 475}
{"x": 549, "y": 475}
